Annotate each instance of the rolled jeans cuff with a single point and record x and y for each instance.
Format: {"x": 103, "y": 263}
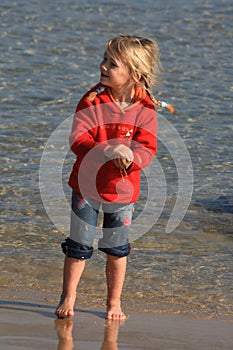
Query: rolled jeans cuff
{"x": 76, "y": 250}
{"x": 119, "y": 252}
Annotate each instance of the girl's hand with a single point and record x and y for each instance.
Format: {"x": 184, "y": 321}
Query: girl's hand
{"x": 122, "y": 163}
{"x": 120, "y": 152}
{"x": 121, "y": 155}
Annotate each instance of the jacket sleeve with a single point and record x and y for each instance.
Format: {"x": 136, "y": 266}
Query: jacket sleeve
{"x": 144, "y": 145}
{"x": 84, "y": 130}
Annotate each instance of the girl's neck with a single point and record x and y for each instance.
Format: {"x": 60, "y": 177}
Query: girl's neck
{"x": 125, "y": 96}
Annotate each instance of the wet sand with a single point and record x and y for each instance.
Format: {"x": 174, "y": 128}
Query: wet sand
{"x": 32, "y": 325}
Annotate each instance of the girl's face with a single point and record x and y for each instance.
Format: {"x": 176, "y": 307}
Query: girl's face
{"x": 114, "y": 74}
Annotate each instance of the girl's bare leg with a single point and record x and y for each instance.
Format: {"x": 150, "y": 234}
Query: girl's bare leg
{"x": 72, "y": 273}
{"x": 115, "y": 274}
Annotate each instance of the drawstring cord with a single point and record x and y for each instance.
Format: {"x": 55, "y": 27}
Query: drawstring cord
{"x": 123, "y": 173}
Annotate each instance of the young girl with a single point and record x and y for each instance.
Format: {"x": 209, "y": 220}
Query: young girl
{"x": 114, "y": 137}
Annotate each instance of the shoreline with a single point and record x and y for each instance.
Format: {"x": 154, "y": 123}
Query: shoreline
{"x": 29, "y": 323}
{"x": 37, "y": 296}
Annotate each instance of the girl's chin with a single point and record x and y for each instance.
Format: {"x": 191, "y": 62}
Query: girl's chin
{"x": 104, "y": 81}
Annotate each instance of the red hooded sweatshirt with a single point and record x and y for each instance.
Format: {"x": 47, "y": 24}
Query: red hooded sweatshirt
{"x": 100, "y": 122}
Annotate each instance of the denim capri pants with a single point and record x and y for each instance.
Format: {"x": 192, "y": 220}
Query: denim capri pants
{"x": 117, "y": 219}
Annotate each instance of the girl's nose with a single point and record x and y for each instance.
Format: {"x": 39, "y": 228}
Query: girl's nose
{"x": 103, "y": 66}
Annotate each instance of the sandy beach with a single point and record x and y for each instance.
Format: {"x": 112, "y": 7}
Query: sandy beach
{"x": 32, "y": 325}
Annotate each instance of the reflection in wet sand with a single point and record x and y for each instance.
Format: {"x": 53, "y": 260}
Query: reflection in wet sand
{"x": 65, "y": 337}
{"x": 64, "y": 333}
{"x": 111, "y": 334}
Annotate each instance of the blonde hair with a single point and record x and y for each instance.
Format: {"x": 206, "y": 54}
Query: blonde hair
{"x": 142, "y": 57}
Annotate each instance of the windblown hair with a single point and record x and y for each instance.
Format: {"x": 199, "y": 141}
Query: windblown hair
{"x": 142, "y": 57}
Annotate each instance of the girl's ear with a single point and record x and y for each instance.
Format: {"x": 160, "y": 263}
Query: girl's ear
{"x": 137, "y": 77}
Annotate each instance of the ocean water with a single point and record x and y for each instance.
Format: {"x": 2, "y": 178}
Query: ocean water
{"x": 50, "y": 55}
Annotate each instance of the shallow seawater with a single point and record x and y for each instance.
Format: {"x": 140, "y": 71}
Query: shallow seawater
{"x": 50, "y": 54}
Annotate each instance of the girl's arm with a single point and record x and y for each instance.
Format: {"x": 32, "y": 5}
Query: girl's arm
{"x": 84, "y": 131}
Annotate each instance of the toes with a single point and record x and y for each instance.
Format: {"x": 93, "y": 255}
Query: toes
{"x": 60, "y": 313}
{"x": 70, "y": 313}
{"x": 115, "y": 316}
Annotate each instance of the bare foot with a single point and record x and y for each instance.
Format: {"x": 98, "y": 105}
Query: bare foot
{"x": 115, "y": 313}
{"x": 65, "y": 308}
